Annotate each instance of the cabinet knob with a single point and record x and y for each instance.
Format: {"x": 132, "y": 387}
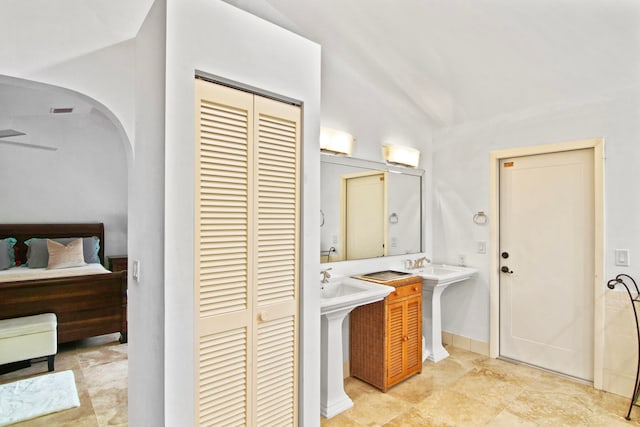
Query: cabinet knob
{"x": 395, "y": 294}
{"x": 405, "y": 339}
{"x": 415, "y": 288}
{"x": 262, "y": 316}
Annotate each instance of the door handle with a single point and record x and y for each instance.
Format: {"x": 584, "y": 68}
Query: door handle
{"x": 506, "y": 269}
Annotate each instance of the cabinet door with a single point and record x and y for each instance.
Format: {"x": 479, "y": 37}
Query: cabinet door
{"x": 396, "y": 314}
{"x": 414, "y": 335}
{"x": 404, "y": 339}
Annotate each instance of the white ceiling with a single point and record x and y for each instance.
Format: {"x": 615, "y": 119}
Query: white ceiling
{"x": 55, "y": 31}
{"x": 450, "y": 61}
{"x": 458, "y": 61}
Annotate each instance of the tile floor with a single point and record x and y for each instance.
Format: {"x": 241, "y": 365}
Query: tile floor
{"x": 468, "y": 389}
{"x": 99, "y": 365}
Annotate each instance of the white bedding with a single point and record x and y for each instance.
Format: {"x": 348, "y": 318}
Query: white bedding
{"x": 15, "y": 274}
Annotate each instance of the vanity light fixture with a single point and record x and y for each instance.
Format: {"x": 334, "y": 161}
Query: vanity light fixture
{"x": 336, "y": 142}
{"x": 398, "y": 154}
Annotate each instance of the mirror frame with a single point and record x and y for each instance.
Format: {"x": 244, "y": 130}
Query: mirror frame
{"x": 373, "y": 165}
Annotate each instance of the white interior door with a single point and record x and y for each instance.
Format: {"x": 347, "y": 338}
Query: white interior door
{"x": 365, "y": 214}
{"x": 547, "y": 249}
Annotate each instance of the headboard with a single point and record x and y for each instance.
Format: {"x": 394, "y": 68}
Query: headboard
{"x": 22, "y": 232}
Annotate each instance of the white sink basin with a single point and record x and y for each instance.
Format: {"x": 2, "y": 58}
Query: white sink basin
{"x": 442, "y": 274}
{"x": 349, "y": 293}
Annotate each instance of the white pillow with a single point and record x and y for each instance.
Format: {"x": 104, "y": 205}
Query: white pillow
{"x": 61, "y": 256}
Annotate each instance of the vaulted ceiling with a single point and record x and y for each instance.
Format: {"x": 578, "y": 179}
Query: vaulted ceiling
{"x": 446, "y": 62}
{"x": 459, "y": 61}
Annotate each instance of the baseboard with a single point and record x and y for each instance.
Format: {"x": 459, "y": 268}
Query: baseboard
{"x": 346, "y": 371}
{"x": 465, "y": 343}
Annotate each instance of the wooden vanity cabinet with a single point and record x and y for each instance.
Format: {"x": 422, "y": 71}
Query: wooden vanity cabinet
{"x": 385, "y": 337}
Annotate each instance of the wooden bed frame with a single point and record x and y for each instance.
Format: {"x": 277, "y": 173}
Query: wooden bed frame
{"x": 86, "y": 306}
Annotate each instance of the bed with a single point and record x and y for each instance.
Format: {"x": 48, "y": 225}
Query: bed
{"x": 87, "y": 305}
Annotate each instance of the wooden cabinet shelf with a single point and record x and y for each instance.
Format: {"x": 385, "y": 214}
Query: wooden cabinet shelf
{"x": 386, "y": 336}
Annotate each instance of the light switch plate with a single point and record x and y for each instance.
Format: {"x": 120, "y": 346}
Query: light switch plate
{"x": 482, "y": 247}
{"x": 622, "y": 257}
{"x": 136, "y": 270}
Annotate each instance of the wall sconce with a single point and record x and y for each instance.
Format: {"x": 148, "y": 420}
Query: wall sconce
{"x": 336, "y": 142}
{"x": 398, "y": 154}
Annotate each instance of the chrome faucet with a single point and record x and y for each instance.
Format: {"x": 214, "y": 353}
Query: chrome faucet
{"x": 325, "y": 276}
{"x": 417, "y": 263}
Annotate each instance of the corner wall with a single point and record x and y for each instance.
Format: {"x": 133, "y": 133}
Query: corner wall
{"x": 461, "y": 187}
{"x": 146, "y": 227}
{"x": 219, "y": 39}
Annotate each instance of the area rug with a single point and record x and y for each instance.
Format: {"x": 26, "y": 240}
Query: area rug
{"x": 33, "y": 397}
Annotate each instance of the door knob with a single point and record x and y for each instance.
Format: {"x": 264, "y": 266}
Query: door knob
{"x": 506, "y": 269}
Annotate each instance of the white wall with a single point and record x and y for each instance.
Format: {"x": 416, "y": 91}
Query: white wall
{"x": 85, "y": 180}
{"x": 97, "y": 67}
{"x": 146, "y": 228}
{"x": 214, "y": 37}
{"x": 356, "y": 103}
{"x": 461, "y": 187}
{"x": 353, "y": 103}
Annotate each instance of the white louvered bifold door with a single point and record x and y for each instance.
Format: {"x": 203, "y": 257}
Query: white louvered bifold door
{"x": 276, "y": 171}
{"x": 246, "y": 258}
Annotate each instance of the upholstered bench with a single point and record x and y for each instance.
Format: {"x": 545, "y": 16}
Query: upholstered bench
{"x": 26, "y": 338}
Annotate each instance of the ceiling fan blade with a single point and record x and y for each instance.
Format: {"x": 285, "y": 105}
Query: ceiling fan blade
{"x": 7, "y": 133}
{"x": 27, "y": 145}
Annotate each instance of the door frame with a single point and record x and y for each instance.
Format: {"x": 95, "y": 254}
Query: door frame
{"x": 597, "y": 145}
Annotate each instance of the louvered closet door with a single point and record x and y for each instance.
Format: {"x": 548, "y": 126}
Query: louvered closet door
{"x": 246, "y": 258}
{"x": 276, "y": 203}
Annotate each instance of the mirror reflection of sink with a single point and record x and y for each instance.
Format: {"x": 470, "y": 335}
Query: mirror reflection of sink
{"x": 435, "y": 279}
{"x": 337, "y": 299}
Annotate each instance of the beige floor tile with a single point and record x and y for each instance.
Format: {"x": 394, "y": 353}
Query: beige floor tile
{"x": 411, "y": 418}
{"x": 507, "y": 419}
{"x": 551, "y": 408}
{"x": 340, "y": 420}
{"x": 488, "y": 387}
{"x": 356, "y": 388}
{"x": 414, "y": 389}
{"x": 449, "y": 407}
{"x": 376, "y": 408}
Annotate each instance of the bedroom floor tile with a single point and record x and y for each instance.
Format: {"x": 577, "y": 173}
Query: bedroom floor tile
{"x": 99, "y": 365}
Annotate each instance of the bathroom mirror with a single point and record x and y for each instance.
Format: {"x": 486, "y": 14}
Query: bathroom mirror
{"x": 368, "y": 209}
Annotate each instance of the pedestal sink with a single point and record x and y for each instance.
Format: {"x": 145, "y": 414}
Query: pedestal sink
{"x": 435, "y": 279}
{"x": 337, "y": 299}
